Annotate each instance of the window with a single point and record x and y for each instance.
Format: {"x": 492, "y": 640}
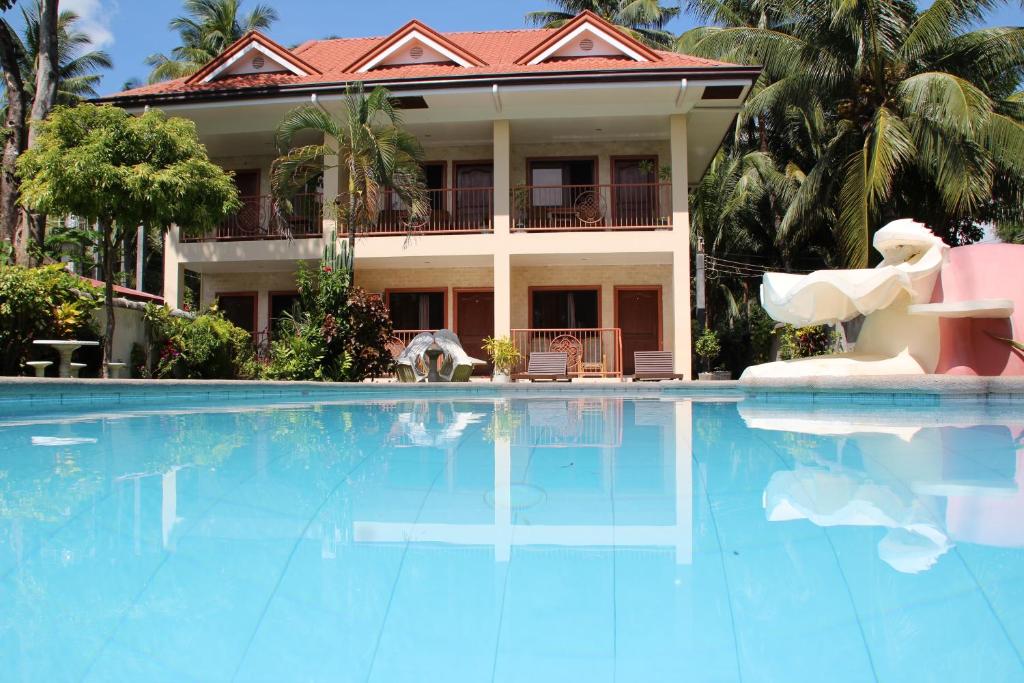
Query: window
{"x": 557, "y": 182}
{"x": 565, "y": 309}
{"x": 416, "y": 310}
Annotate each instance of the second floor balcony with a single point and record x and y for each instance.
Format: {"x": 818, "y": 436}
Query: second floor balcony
{"x": 453, "y": 211}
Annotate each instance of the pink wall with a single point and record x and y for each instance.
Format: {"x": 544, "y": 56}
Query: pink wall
{"x": 981, "y": 271}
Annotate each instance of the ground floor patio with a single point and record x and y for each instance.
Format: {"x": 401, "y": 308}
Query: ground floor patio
{"x": 598, "y": 311}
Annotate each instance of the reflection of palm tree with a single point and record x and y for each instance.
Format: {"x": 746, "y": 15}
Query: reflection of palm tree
{"x": 206, "y": 30}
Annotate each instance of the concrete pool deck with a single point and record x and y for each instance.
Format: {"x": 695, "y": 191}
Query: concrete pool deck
{"x": 21, "y": 393}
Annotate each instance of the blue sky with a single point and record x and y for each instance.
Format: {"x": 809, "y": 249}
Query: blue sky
{"x": 132, "y": 29}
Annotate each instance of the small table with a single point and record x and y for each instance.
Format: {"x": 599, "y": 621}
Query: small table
{"x": 65, "y": 347}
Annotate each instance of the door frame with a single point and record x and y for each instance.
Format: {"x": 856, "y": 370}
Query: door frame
{"x": 388, "y": 291}
{"x": 455, "y": 187}
{"x": 259, "y": 179}
{"x": 642, "y": 288}
{"x": 270, "y": 307}
{"x": 255, "y": 306}
{"x": 455, "y": 302}
{"x": 612, "y": 160}
{"x": 565, "y": 288}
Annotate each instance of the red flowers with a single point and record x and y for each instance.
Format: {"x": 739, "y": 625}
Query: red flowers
{"x": 328, "y": 269}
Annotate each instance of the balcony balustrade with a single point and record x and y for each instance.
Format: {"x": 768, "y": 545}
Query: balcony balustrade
{"x": 590, "y": 352}
{"x": 572, "y": 208}
{"x": 263, "y": 218}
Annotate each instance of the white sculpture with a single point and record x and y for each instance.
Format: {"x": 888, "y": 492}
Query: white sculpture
{"x": 893, "y": 340}
{"x": 418, "y": 362}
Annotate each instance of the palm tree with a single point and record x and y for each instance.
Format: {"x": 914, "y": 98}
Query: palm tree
{"x": 367, "y": 143}
{"x": 643, "y": 19}
{"x": 77, "y": 64}
{"x": 206, "y": 30}
{"x": 885, "y": 111}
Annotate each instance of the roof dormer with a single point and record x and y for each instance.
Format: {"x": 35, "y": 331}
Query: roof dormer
{"x": 588, "y": 35}
{"x": 253, "y": 53}
{"x": 415, "y": 43}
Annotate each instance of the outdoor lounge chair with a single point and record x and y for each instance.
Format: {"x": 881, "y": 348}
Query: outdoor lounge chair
{"x": 546, "y": 365}
{"x": 654, "y": 365}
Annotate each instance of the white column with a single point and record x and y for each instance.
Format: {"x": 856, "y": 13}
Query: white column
{"x": 174, "y": 270}
{"x": 502, "y": 236}
{"x": 680, "y": 246}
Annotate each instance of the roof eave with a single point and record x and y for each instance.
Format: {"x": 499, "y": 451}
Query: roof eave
{"x": 398, "y": 85}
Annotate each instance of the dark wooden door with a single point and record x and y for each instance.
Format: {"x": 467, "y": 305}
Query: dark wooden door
{"x": 635, "y": 195}
{"x": 474, "y": 185}
{"x": 247, "y": 221}
{"x": 638, "y": 313}
{"x": 475, "y": 311}
{"x": 240, "y": 309}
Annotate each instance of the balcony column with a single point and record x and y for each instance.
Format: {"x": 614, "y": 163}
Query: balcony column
{"x": 332, "y": 183}
{"x": 174, "y": 271}
{"x": 502, "y": 235}
{"x": 680, "y": 239}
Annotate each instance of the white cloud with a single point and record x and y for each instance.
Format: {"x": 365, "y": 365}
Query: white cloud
{"x": 95, "y": 19}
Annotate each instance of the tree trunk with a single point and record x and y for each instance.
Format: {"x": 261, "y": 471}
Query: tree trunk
{"x": 33, "y": 231}
{"x": 15, "y": 141}
{"x": 107, "y": 256}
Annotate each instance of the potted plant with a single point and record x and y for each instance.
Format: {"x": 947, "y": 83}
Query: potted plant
{"x": 707, "y": 348}
{"x": 504, "y": 356}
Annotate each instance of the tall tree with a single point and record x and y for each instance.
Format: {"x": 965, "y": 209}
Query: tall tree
{"x": 121, "y": 171}
{"x": 32, "y": 228}
{"x": 16, "y": 137}
{"x": 78, "y": 63}
{"x": 644, "y": 19}
{"x": 895, "y": 112}
{"x": 369, "y": 146}
{"x": 206, "y": 30}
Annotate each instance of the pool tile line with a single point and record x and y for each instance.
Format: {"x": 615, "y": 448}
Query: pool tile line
{"x": 213, "y": 502}
{"x": 398, "y": 572}
{"x": 508, "y": 571}
{"x": 991, "y": 607}
{"x": 725, "y": 573}
{"x": 839, "y": 565}
{"x": 301, "y": 536}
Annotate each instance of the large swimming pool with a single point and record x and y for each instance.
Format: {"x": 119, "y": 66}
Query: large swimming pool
{"x": 561, "y": 538}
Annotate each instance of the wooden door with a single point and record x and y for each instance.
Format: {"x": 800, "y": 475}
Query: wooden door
{"x": 240, "y": 309}
{"x": 474, "y": 185}
{"x": 474, "y": 312}
{"x": 247, "y": 221}
{"x": 635, "y": 196}
{"x": 638, "y": 315}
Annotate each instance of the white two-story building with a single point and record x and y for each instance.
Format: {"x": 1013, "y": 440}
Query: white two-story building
{"x": 558, "y": 167}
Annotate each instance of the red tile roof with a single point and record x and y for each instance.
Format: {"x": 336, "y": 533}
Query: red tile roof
{"x": 337, "y": 60}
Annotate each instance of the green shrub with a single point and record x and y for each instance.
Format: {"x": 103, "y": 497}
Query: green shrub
{"x": 805, "y": 342}
{"x": 207, "y": 346}
{"x": 40, "y": 303}
{"x": 340, "y": 333}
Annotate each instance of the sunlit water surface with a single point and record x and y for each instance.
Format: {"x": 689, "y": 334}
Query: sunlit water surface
{"x": 569, "y": 539}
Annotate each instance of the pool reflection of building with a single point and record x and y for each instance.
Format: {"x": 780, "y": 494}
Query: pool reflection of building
{"x": 932, "y": 478}
{"x": 520, "y": 430}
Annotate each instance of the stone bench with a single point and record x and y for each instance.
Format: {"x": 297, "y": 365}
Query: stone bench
{"x": 39, "y": 366}
{"x": 116, "y": 370}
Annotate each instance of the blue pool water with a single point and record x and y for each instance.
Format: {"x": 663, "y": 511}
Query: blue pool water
{"x": 540, "y": 539}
